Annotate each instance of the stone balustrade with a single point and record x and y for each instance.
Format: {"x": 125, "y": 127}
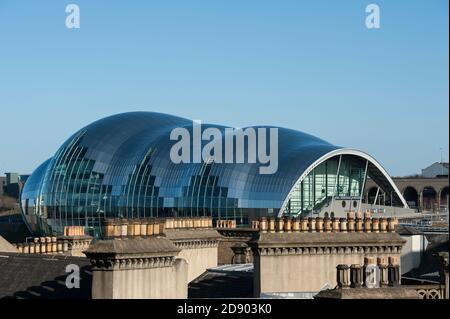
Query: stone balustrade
{"x": 353, "y": 223}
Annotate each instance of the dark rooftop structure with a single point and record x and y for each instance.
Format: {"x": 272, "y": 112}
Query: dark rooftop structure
{"x": 26, "y": 276}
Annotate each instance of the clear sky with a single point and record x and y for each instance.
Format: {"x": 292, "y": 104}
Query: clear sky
{"x": 307, "y": 65}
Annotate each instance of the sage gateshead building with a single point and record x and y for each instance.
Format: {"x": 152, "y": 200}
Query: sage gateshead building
{"x": 120, "y": 167}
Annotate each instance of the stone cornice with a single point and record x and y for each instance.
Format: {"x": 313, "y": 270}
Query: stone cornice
{"x": 113, "y": 263}
{"x": 193, "y": 244}
{"x": 326, "y": 250}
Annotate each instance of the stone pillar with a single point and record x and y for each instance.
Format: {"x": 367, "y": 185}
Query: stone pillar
{"x": 355, "y": 276}
{"x": 438, "y": 198}
{"x": 420, "y": 199}
{"x": 342, "y": 276}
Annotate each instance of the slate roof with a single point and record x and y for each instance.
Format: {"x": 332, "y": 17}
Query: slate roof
{"x": 408, "y": 230}
{"x": 25, "y": 276}
{"x": 236, "y": 282}
{"x": 6, "y": 247}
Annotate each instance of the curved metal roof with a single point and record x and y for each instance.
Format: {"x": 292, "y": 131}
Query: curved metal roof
{"x": 120, "y": 142}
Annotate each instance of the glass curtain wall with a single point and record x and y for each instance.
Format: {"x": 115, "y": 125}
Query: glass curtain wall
{"x": 343, "y": 180}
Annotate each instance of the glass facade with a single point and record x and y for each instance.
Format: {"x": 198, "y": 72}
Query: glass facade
{"x": 120, "y": 166}
{"x": 341, "y": 177}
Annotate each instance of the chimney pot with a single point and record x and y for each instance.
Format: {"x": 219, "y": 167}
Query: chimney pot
{"x": 295, "y": 225}
{"x": 355, "y": 276}
{"x": 312, "y": 224}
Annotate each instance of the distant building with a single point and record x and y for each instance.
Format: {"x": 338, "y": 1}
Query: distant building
{"x": 435, "y": 170}
{"x": 2, "y": 184}
{"x": 12, "y": 184}
{"x": 12, "y": 178}
{"x": 426, "y": 192}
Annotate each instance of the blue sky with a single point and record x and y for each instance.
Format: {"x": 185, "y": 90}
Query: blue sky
{"x": 307, "y": 65}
